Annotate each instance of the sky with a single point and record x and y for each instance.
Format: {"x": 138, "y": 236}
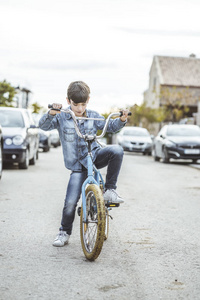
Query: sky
{"x": 109, "y": 44}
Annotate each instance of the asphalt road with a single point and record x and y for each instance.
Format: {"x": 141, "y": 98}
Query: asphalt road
{"x": 153, "y": 249}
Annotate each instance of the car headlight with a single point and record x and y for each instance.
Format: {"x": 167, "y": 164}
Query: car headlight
{"x": 8, "y": 141}
{"x": 18, "y": 140}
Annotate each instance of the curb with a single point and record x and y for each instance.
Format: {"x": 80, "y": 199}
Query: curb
{"x": 196, "y": 166}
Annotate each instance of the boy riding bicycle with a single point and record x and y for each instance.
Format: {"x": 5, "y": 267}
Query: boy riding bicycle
{"x": 75, "y": 152}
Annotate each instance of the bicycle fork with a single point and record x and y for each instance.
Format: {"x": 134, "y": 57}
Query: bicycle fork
{"x": 89, "y": 180}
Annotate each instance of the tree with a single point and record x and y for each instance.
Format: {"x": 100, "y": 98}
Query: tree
{"x": 176, "y": 101}
{"x": 144, "y": 116}
{"x": 7, "y": 93}
{"x": 36, "y": 108}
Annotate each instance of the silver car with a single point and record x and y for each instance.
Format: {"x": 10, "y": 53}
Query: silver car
{"x": 135, "y": 139}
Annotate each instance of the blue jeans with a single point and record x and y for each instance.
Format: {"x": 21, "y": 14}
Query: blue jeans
{"x": 110, "y": 156}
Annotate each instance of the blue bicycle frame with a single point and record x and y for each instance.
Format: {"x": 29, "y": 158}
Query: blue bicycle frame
{"x": 94, "y": 175}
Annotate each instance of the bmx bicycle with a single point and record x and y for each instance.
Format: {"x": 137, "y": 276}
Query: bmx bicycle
{"x": 94, "y": 211}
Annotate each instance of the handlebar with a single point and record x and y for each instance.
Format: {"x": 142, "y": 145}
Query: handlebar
{"x": 86, "y": 136}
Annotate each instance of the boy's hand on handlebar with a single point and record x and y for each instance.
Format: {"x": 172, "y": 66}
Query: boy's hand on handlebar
{"x": 55, "y": 106}
{"x": 124, "y": 116}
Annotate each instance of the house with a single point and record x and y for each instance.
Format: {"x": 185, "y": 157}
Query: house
{"x": 22, "y": 97}
{"x": 175, "y": 81}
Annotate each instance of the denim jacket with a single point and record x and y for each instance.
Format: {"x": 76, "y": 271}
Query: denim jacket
{"x": 75, "y": 148}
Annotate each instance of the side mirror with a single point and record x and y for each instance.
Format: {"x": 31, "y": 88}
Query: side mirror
{"x": 162, "y": 136}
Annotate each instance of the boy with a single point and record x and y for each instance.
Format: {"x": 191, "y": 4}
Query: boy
{"x": 75, "y": 152}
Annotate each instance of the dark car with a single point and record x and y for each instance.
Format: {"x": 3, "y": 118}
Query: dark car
{"x": 1, "y": 151}
{"x": 20, "y": 136}
{"x": 44, "y": 136}
{"x": 178, "y": 142}
{"x": 135, "y": 139}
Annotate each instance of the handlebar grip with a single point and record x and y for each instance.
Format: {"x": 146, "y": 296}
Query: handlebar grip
{"x": 121, "y": 113}
{"x": 51, "y": 107}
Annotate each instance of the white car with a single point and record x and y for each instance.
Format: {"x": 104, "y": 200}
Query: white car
{"x": 54, "y": 138}
{"x": 44, "y": 136}
{"x": 1, "y": 151}
{"x": 135, "y": 139}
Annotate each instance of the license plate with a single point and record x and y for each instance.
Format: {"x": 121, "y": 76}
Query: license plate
{"x": 192, "y": 151}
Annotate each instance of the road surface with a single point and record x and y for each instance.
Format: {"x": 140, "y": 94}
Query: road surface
{"x": 153, "y": 249}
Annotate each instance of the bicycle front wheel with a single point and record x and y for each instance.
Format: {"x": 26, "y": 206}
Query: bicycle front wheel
{"x": 93, "y": 229}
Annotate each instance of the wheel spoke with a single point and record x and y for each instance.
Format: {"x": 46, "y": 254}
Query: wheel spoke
{"x": 91, "y": 233}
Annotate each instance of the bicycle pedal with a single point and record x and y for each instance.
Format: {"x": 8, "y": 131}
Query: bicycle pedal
{"x": 110, "y": 204}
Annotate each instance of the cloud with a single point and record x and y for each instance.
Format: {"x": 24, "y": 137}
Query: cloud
{"x": 161, "y": 32}
{"x": 59, "y": 66}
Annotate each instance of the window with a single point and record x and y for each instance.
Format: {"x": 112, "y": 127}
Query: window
{"x": 9, "y": 118}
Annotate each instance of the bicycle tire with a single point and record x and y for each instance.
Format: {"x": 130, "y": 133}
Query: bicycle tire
{"x": 107, "y": 218}
{"x": 93, "y": 230}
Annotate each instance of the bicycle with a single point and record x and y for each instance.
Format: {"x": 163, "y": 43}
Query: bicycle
{"x": 94, "y": 212}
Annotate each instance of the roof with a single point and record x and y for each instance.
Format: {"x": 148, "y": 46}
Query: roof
{"x": 178, "y": 71}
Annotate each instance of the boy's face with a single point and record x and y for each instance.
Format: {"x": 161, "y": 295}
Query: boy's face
{"x": 78, "y": 108}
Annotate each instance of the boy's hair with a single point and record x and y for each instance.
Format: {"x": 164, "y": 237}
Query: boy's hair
{"x": 78, "y": 92}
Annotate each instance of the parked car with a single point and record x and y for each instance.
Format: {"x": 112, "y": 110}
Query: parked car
{"x": 135, "y": 139}
{"x": 44, "y": 140}
{"x": 177, "y": 141}
{"x": 54, "y": 138}
{"x": 44, "y": 136}
{"x": 1, "y": 152}
{"x": 20, "y": 136}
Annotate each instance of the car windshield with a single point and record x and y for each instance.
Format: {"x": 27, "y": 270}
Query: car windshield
{"x": 183, "y": 131}
{"x": 135, "y": 132}
{"x": 11, "y": 118}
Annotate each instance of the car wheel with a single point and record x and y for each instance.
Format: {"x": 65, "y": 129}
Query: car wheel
{"x": 194, "y": 161}
{"x": 1, "y": 161}
{"x": 46, "y": 149}
{"x": 33, "y": 160}
{"x": 165, "y": 157}
{"x": 25, "y": 163}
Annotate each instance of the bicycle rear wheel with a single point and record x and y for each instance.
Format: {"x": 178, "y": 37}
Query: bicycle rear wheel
{"x": 93, "y": 230}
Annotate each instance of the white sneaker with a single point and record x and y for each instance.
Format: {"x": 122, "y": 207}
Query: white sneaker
{"x": 112, "y": 196}
{"x": 61, "y": 239}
